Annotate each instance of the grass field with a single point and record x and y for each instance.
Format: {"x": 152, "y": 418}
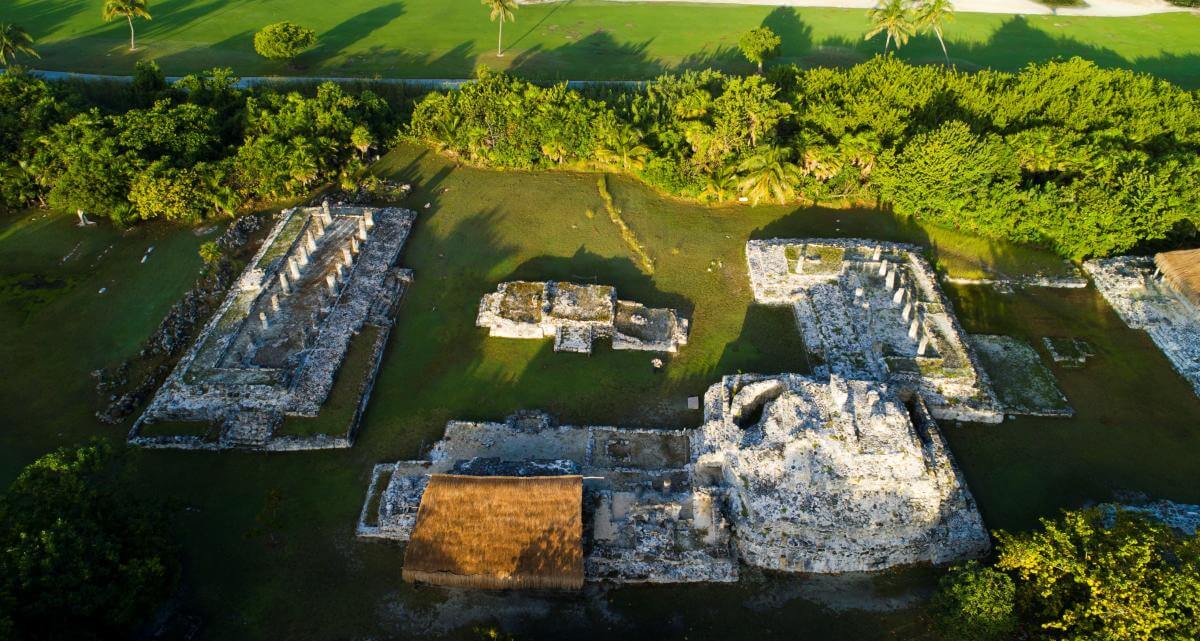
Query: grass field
{"x": 268, "y": 539}
{"x": 576, "y": 39}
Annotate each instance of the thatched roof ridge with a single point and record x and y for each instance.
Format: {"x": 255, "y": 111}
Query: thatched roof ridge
{"x": 1181, "y": 271}
{"x": 498, "y": 532}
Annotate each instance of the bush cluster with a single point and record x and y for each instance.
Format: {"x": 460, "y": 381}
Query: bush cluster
{"x": 1086, "y": 160}
{"x": 184, "y": 152}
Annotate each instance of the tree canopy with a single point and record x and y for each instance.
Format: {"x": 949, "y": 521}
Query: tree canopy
{"x": 80, "y": 556}
{"x": 1097, "y": 573}
{"x": 758, "y": 45}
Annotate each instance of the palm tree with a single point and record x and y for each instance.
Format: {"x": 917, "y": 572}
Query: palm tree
{"x": 719, "y": 185}
{"x": 502, "y": 9}
{"x": 130, "y": 9}
{"x": 894, "y": 18}
{"x": 624, "y": 147}
{"x": 932, "y": 15}
{"x": 14, "y": 40}
{"x": 769, "y": 173}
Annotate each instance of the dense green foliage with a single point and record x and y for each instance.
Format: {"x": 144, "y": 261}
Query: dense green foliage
{"x": 80, "y": 558}
{"x": 1086, "y": 160}
{"x": 1090, "y": 574}
{"x": 184, "y": 152}
{"x": 975, "y": 603}
{"x": 284, "y": 40}
{"x": 13, "y": 41}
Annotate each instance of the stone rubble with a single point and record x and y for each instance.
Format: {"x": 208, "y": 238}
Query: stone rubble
{"x": 872, "y": 310}
{"x": 576, "y": 315}
{"x": 1130, "y": 285}
{"x": 274, "y": 346}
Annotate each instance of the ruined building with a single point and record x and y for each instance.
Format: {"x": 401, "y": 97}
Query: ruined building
{"x": 576, "y": 315}
{"x": 323, "y": 277}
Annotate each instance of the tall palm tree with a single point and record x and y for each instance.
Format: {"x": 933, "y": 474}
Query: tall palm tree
{"x": 502, "y": 10}
{"x": 130, "y": 9}
{"x": 894, "y": 18}
{"x": 933, "y": 15}
{"x": 769, "y": 173}
{"x": 14, "y": 40}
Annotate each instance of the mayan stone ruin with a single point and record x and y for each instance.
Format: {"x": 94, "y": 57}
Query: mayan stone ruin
{"x": 786, "y": 473}
{"x": 325, "y": 276}
{"x": 576, "y": 315}
{"x": 1158, "y": 295}
{"x": 871, "y": 310}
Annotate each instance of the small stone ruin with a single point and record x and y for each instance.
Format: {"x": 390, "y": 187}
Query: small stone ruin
{"x": 576, "y": 315}
{"x": 873, "y": 311}
{"x": 1135, "y": 288}
{"x": 272, "y": 349}
{"x": 786, "y": 473}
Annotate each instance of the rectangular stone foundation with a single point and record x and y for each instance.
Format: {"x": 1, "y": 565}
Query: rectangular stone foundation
{"x": 273, "y": 348}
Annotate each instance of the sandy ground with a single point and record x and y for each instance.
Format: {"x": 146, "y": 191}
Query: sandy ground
{"x": 1026, "y": 7}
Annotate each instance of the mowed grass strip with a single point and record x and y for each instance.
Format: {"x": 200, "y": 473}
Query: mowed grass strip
{"x": 576, "y": 39}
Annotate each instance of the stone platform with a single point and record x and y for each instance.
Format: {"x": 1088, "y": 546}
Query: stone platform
{"x": 274, "y": 346}
{"x": 576, "y": 315}
{"x": 870, "y": 310}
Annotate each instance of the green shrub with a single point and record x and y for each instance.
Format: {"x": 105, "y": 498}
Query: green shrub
{"x": 975, "y": 603}
{"x": 284, "y": 41}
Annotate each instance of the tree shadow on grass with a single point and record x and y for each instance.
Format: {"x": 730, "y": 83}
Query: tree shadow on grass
{"x": 588, "y": 268}
{"x": 621, "y": 59}
{"x": 336, "y": 40}
{"x": 769, "y": 343}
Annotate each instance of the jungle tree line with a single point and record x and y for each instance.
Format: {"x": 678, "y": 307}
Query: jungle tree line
{"x": 184, "y": 152}
{"x": 1086, "y": 160}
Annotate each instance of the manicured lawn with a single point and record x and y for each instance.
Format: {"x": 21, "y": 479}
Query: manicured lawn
{"x": 268, "y": 539}
{"x": 577, "y": 39}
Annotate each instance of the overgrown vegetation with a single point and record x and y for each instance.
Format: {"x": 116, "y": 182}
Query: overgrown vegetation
{"x": 1086, "y": 160}
{"x": 1090, "y": 574}
{"x": 80, "y": 557}
{"x": 191, "y": 150}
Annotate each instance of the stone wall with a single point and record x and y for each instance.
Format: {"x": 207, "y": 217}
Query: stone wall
{"x": 275, "y": 345}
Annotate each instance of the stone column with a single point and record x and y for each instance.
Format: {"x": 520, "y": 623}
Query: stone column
{"x": 913, "y": 329}
{"x": 262, "y": 318}
{"x": 908, "y": 309}
{"x": 340, "y": 275}
{"x": 883, "y": 267}
{"x": 332, "y": 283}
{"x": 310, "y": 242}
{"x": 891, "y": 279}
{"x": 283, "y": 283}
{"x": 877, "y": 254}
{"x": 275, "y": 302}
{"x": 303, "y": 256}
{"x": 346, "y": 257}
{"x": 293, "y": 268}
{"x": 923, "y": 345}
{"x": 354, "y": 244}
{"x": 898, "y": 297}
{"x": 362, "y": 229}
{"x": 369, "y": 217}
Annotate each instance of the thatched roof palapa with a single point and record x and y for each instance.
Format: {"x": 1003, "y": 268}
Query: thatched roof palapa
{"x": 1181, "y": 272}
{"x": 498, "y": 532}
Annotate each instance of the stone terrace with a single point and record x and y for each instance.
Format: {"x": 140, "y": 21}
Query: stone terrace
{"x": 576, "y": 315}
{"x": 1132, "y": 285}
{"x": 871, "y": 310}
{"x": 274, "y": 346}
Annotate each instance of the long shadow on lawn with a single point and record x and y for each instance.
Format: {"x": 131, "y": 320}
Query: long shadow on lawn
{"x": 337, "y": 39}
{"x": 587, "y": 268}
{"x": 625, "y": 59}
